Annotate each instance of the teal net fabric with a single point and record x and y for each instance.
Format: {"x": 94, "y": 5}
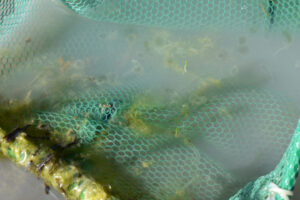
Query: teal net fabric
{"x": 220, "y": 140}
{"x": 192, "y": 14}
{"x": 175, "y": 160}
{"x": 284, "y": 175}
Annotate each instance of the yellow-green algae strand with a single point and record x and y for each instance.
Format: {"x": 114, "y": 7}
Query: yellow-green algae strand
{"x": 65, "y": 178}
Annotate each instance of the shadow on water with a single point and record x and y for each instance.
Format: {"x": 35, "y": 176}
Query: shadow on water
{"x": 107, "y": 172}
{"x": 92, "y": 163}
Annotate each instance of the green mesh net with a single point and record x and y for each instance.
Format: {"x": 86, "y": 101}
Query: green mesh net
{"x": 176, "y": 161}
{"x": 153, "y": 142}
{"x": 193, "y": 14}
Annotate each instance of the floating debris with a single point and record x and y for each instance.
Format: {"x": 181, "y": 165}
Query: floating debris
{"x": 185, "y": 66}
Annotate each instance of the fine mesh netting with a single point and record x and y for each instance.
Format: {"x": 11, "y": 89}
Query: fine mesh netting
{"x": 158, "y": 114}
{"x": 175, "y": 161}
{"x": 192, "y": 14}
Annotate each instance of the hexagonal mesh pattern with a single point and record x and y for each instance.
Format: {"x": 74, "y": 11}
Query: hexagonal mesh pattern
{"x": 10, "y": 15}
{"x": 102, "y": 104}
{"x": 165, "y": 150}
{"x": 229, "y": 121}
{"x": 173, "y": 152}
{"x": 193, "y": 13}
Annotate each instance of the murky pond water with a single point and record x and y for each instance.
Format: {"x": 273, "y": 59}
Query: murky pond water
{"x": 159, "y": 113}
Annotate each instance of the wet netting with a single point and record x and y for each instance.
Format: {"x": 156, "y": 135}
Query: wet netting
{"x": 151, "y": 124}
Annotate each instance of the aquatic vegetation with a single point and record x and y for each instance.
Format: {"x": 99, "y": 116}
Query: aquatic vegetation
{"x": 118, "y": 110}
{"x": 41, "y": 161}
